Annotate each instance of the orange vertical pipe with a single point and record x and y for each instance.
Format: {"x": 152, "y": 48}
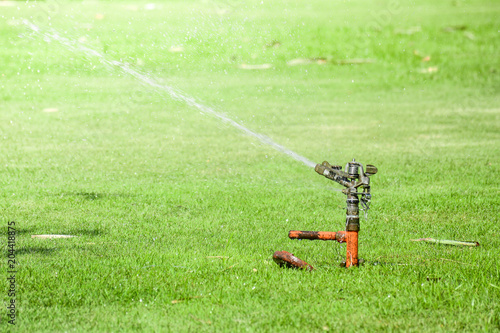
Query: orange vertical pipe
{"x": 352, "y": 249}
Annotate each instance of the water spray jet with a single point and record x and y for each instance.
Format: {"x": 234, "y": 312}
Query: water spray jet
{"x": 75, "y": 46}
{"x": 356, "y": 180}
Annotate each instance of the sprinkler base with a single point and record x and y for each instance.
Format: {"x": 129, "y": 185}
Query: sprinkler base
{"x": 288, "y": 260}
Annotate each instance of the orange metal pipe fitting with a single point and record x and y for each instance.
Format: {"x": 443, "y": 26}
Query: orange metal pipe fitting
{"x": 348, "y": 237}
{"x": 339, "y": 236}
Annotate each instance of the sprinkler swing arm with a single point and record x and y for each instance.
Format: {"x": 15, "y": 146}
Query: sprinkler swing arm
{"x": 356, "y": 181}
{"x": 351, "y": 179}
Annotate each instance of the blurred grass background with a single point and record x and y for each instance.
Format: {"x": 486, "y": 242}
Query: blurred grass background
{"x": 154, "y": 190}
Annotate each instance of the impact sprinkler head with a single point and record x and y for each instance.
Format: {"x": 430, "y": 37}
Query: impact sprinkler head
{"x": 356, "y": 180}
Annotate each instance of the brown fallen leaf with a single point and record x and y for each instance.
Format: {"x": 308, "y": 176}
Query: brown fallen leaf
{"x": 175, "y": 49}
{"x": 50, "y": 110}
{"x": 423, "y": 57}
{"x": 299, "y": 61}
{"x": 428, "y": 70}
{"x": 263, "y": 66}
{"x": 445, "y": 242}
{"x": 469, "y": 35}
{"x": 322, "y": 61}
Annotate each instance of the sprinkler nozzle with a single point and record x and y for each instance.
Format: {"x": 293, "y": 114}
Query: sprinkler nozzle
{"x": 321, "y": 169}
{"x": 371, "y": 170}
{"x": 333, "y": 172}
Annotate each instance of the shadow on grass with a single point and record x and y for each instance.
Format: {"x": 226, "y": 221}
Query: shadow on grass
{"x": 74, "y": 232}
{"x": 98, "y": 195}
{"x": 20, "y": 231}
{"x": 34, "y": 250}
{"x": 91, "y": 195}
{"x": 80, "y": 232}
{"x": 85, "y": 232}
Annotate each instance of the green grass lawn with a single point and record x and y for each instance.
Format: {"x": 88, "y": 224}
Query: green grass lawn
{"x": 177, "y": 213}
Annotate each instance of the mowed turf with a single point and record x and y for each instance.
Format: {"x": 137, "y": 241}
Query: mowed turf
{"x": 177, "y": 214}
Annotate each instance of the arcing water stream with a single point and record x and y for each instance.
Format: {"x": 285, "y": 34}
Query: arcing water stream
{"x": 75, "y": 46}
